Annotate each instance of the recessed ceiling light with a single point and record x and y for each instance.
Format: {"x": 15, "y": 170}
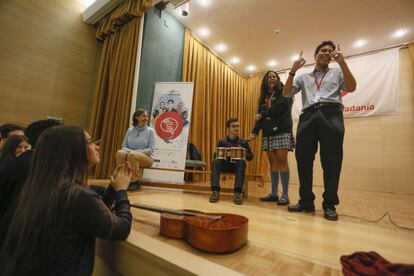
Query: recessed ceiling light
{"x": 295, "y": 57}
{"x": 221, "y": 47}
{"x": 251, "y": 68}
{"x": 184, "y": 9}
{"x": 204, "y": 32}
{"x": 234, "y": 60}
{"x": 400, "y": 33}
{"x": 272, "y": 63}
{"x": 204, "y": 3}
{"x": 360, "y": 43}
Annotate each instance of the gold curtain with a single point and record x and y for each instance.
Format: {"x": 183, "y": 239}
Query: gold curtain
{"x": 219, "y": 93}
{"x": 411, "y": 49}
{"x": 109, "y": 119}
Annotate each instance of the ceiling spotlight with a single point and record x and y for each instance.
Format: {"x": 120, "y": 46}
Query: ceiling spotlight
{"x": 204, "y": 32}
{"x": 272, "y": 63}
{"x": 221, "y": 47}
{"x": 360, "y": 43}
{"x": 400, "y": 33}
{"x": 184, "y": 9}
{"x": 251, "y": 68}
{"x": 234, "y": 60}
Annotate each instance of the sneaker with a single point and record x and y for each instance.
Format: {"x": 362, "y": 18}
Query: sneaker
{"x": 270, "y": 197}
{"x": 215, "y": 196}
{"x": 238, "y": 198}
{"x": 330, "y": 214}
{"x": 283, "y": 201}
{"x": 133, "y": 186}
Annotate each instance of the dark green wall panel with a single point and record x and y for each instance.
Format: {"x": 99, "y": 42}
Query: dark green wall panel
{"x": 162, "y": 54}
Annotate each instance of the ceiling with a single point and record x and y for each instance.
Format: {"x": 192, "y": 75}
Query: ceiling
{"x": 248, "y": 27}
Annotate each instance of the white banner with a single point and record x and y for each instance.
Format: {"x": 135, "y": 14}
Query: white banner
{"x": 377, "y": 77}
{"x": 170, "y": 117}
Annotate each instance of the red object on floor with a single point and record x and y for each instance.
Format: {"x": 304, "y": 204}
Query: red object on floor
{"x": 371, "y": 263}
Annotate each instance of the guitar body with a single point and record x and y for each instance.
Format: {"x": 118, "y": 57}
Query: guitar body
{"x": 209, "y": 232}
{"x": 173, "y": 225}
{"x": 223, "y": 236}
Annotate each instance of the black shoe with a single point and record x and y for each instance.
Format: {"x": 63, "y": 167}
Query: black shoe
{"x": 215, "y": 197}
{"x": 330, "y": 214}
{"x": 300, "y": 208}
{"x": 238, "y": 198}
{"x": 270, "y": 197}
{"x": 133, "y": 186}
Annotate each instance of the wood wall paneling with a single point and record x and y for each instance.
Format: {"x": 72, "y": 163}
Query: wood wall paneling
{"x": 49, "y": 58}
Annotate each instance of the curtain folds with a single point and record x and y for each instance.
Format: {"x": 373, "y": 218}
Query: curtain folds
{"x": 124, "y": 13}
{"x": 220, "y": 93}
{"x": 411, "y": 49}
{"x": 109, "y": 118}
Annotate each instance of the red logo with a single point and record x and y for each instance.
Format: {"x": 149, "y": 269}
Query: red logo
{"x": 168, "y": 125}
{"x": 343, "y": 93}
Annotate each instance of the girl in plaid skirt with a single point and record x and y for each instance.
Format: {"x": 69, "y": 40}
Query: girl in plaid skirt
{"x": 274, "y": 118}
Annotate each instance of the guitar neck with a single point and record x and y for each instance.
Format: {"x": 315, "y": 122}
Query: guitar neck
{"x": 172, "y": 211}
{"x": 158, "y": 209}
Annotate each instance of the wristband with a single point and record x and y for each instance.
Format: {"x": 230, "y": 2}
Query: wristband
{"x": 292, "y": 73}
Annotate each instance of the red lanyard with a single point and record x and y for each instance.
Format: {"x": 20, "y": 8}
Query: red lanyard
{"x": 318, "y": 85}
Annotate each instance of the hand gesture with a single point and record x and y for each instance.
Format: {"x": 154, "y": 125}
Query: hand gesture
{"x": 337, "y": 55}
{"x": 252, "y": 137}
{"x": 298, "y": 63}
{"x": 122, "y": 177}
{"x": 257, "y": 118}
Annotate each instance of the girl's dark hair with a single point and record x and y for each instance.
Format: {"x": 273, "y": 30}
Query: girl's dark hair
{"x": 35, "y": 129}
{"x": 137, "y": 113}
{"x": 264, "y": 88}
{"x": 8, "y": 151}
{"x": 60, "y": 160}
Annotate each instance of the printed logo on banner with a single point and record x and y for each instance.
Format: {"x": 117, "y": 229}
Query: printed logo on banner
{"x": 171, "y": 119}
{"x": 169, "y": 125}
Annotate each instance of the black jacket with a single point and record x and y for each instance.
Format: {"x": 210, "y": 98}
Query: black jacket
{"x": 277, "y": 119}
{"x": 81, "y": 218}
{"x": 12, "y": 178}
{"x": 86, "y": 217}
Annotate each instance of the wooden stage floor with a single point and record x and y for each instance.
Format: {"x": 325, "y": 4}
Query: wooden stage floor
{"x": 280, "y": 243}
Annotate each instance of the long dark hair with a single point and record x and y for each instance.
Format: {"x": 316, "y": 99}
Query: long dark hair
{"x": 60, "y": 160}
{"x": 264, "y": 88}
{"x": 35, "y": 129}
{"x": 8, "y": 151}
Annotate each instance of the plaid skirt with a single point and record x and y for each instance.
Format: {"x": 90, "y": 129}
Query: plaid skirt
{"x": 279, "y": 141}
